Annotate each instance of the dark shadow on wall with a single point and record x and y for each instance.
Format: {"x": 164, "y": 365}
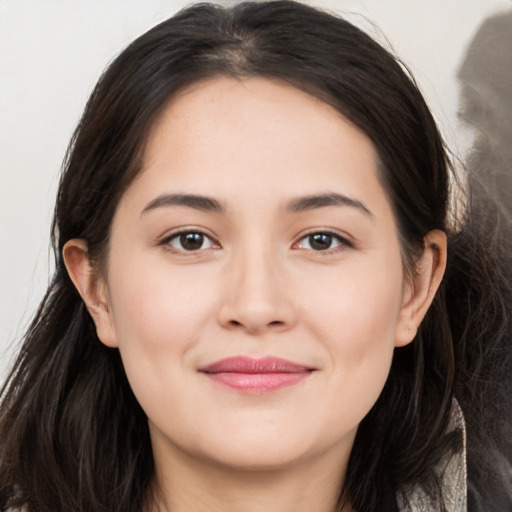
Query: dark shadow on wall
{"x": 486, "y": 105}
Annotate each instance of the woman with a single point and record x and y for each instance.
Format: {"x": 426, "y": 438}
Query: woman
{"x": 249, "y": 309}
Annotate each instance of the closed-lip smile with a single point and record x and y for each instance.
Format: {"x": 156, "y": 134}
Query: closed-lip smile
{"x": 249, "y": 375}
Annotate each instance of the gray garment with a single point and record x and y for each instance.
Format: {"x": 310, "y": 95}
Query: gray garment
{"x": 453, "y": 475}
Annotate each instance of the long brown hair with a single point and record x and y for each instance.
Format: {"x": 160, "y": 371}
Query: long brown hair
{"x": 74, "y": 438}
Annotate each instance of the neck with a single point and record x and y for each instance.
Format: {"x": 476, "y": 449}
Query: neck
{"x": 189, "y": 484}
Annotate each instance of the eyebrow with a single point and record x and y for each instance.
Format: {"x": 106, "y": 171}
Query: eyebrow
{"x": 312, "y": 202}
{"x": 298, "y": 205}
{"x": 197, "y": 202}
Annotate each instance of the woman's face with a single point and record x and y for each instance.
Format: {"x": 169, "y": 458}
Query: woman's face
{"x": 254, "y": 279}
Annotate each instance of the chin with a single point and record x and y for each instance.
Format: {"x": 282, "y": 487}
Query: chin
{"x": 273, "y": 451}
{"x": 259, "y": 460}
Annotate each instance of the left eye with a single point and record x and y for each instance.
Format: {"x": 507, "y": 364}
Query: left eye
{"x": 322, "y": 241}
{"x": 190, "y": 241}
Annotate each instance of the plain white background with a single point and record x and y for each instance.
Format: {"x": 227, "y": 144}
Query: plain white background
{"x": 53, "y": 51}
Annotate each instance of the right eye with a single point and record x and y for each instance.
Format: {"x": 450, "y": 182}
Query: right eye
{"x": 189, "y": 241}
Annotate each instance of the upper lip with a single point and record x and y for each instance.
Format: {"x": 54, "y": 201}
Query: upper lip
{"x": 244, "y": 364}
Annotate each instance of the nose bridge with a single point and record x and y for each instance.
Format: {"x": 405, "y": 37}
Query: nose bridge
{"x": 255, "y": 296}
{"x": 257, "y": 275}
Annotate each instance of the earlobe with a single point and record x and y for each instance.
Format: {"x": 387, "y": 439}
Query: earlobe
{"x": 422, "y": 288}
{"x": 91, "y": 288}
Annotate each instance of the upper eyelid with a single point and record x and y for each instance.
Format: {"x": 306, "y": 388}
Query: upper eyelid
{"x": 187, "y": 229}
{"x": 340, "y": 235}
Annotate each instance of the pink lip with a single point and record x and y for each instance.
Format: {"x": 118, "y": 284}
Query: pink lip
{"x": 256, "y": 375}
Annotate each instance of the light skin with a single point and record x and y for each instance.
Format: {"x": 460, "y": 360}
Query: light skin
{"x": 294, "y": 254}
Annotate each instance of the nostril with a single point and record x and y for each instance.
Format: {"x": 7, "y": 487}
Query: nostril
{"x": 274, "y": 323}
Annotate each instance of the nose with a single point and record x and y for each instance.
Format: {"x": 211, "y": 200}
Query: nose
{"x": 256, "y": 297}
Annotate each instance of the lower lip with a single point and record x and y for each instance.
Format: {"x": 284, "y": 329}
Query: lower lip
{"x": 258, "y": 382}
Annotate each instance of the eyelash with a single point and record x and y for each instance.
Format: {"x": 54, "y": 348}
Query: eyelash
{"x": 167, "y": 241}
{"x": 341, "y": 241}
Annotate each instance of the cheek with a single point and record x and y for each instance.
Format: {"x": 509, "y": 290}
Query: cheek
{"x": 158, "y": 316}
{"x": 154, "y": 303}
{"x": 359, "y": 303}
{"x": 355, "y": 315}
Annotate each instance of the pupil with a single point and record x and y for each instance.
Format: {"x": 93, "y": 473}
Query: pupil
{"x": 191, "y": 241}
{"x": 320, "y": 241}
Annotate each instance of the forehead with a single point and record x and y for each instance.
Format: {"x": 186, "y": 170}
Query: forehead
{"x": 258, "y": 126}
{"x": 255, "y": 144}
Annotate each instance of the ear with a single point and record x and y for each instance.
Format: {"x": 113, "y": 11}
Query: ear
{"x": 419, "y": 292}
{"x": 91, "y": 287}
